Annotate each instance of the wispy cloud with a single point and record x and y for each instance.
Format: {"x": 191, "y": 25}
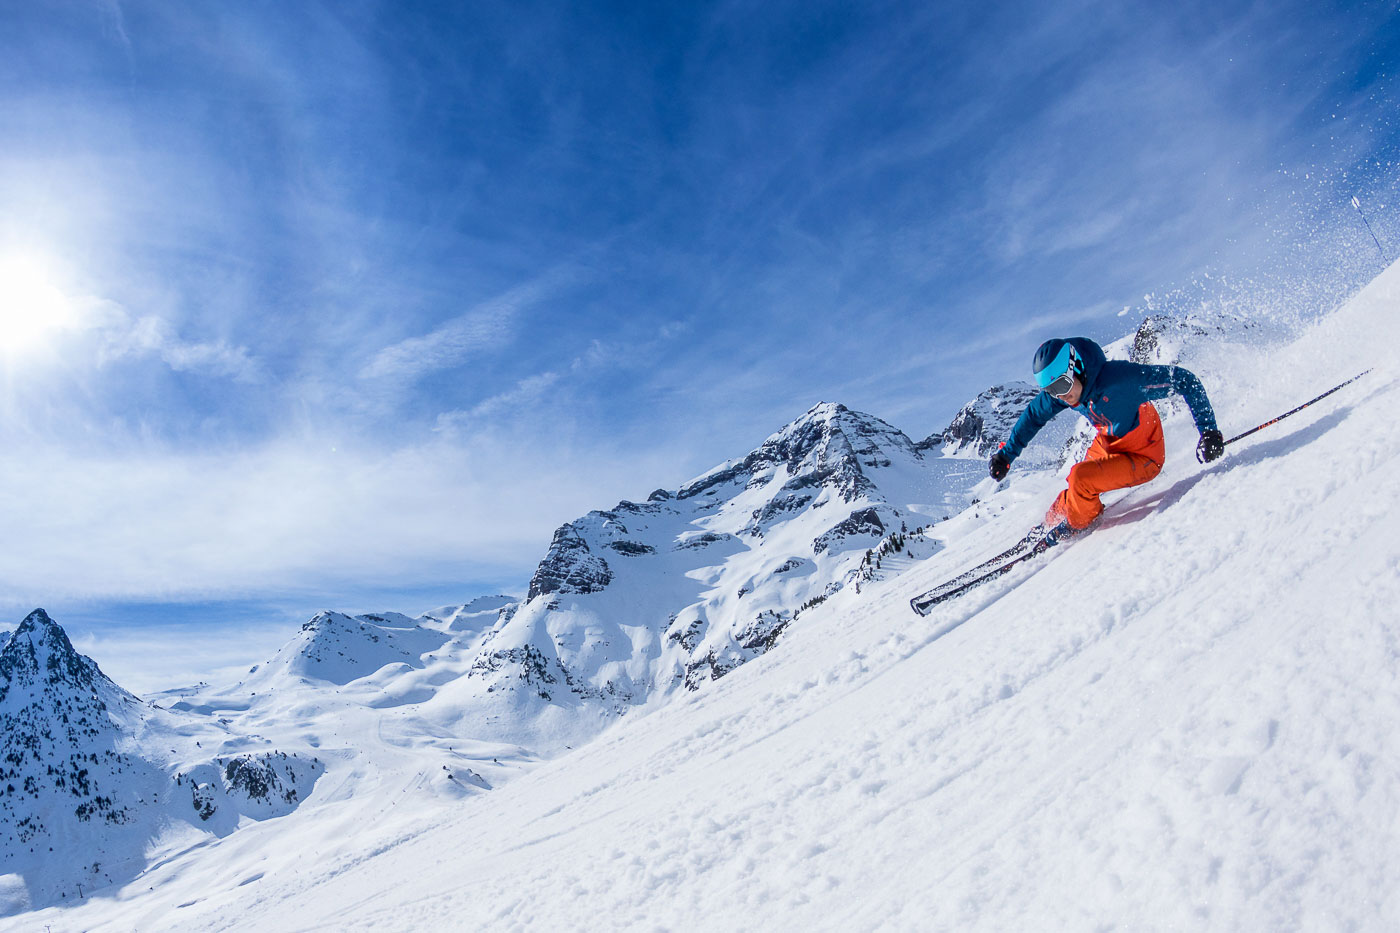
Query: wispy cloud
{"x": 526, "y": 393}
{"x": 487, "y": 327}
{"x": 123, "y": 336}
{"x": 116, "y": 24}
{"x": 449, "y": 345}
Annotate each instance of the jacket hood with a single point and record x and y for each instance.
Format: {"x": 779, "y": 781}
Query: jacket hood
{"x": 1093, "y": 356}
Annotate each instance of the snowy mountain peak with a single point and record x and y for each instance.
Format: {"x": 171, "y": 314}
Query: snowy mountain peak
{"x": 823, "y": 412}
{"x": 91, "y": 775}
{"x": 829, "y": 445}
{"x": 38, "y": 618}
{"x": 339, "y": 648}
{"x": 826, "y": 455}
{"x": 832, "y": 429}
{"x": 983, "y": 423}
{"x": 39, "y": 654}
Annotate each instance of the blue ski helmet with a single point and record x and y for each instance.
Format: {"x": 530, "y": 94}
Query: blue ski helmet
{"x": 1057, "y": 362}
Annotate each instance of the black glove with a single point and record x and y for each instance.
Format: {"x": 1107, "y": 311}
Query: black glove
{"x": 1000, "y": 466}
{"x": 1210, "y": 448}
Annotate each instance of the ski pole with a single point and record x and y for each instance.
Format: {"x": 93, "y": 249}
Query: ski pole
{"x": 1356, "y": 203}
{"x": 1298, "y": 409}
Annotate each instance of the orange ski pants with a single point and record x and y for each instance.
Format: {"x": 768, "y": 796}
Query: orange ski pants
{"x": 1111, "y": 463}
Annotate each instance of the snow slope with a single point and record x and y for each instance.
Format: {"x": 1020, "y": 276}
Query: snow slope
{"x": 1185, "y": 720}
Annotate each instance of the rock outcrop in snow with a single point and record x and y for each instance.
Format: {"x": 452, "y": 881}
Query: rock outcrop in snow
{"x": 570, "y": 567}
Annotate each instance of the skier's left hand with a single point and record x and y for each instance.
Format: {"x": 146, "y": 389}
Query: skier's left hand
{"x": 1210, "y": 448}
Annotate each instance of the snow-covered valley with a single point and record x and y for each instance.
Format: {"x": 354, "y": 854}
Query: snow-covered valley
{"x": 714, "y": 709}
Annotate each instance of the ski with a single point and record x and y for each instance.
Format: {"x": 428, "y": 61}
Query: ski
{"x": 980, "y": 573}
{"x": 922, "y": 604}
{"x": 1032, "y": 536}
{"x": 1032, "y": 545}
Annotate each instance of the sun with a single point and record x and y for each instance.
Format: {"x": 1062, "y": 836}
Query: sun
{"x": 32, "y": 307}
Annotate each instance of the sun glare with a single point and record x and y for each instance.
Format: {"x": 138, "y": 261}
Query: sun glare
{"x": 31, "y": 305}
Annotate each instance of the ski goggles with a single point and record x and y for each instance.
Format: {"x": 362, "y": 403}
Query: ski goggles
{"x": 1061, "y": 386}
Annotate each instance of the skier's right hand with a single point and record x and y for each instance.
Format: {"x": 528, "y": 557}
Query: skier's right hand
{"x": 1000, "y": 466}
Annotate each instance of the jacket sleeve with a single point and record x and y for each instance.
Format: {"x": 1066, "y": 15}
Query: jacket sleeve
{"x": 1037, "y": 414}
{"x": 1161, "y": 381}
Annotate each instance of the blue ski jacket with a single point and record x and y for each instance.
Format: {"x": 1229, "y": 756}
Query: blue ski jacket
{"x": 1113, "y": 392}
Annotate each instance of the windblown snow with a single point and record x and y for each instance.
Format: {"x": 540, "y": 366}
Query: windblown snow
{"x": 714, "y": 709}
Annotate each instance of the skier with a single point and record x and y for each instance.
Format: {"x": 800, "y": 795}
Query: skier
{"x": 1116, "y": 396}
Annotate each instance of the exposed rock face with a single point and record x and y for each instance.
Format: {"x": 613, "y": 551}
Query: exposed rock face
{"x": 862, "y": 523}
{"x": 260, "y": 785}
{"x": 569, "y": 567}
{"x": 983, "y": 423}
{"x": 631, "y": 548}
{"x": 273, "y": 781}
{"x": 529, "y": 664}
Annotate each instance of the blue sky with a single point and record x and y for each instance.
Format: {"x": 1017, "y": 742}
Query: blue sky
{"x": 350, "y": 304}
